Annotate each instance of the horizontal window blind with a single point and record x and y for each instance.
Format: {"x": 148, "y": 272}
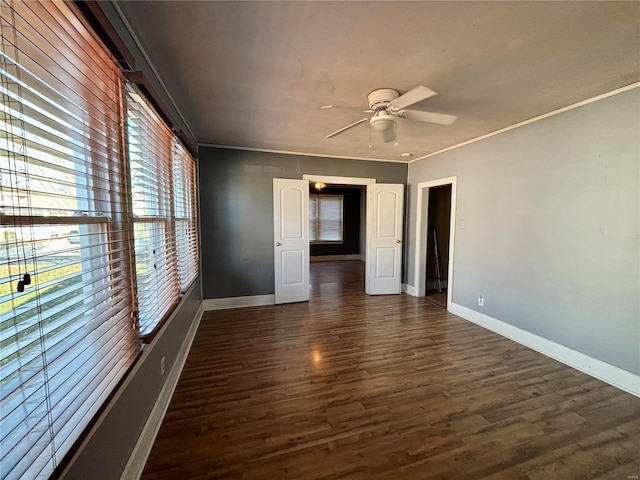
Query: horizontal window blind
{"x": 313, "y": 208}
{"x": 67, "y": 332}
{"x": 325, "y": 218}
{"x": 151, "y": 151}
{"x": 186, "y": 222}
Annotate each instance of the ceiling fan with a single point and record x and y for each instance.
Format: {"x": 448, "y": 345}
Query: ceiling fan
{"x": 387, "y": 104}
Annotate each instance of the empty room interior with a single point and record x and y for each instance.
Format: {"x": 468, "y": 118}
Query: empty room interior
{"x": 318, "y": 240}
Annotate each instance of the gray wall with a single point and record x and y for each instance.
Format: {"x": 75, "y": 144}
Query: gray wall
{"x": 236, "y": 201}
{"x": 108, "y": 449}
{"x": 551, "y": 215}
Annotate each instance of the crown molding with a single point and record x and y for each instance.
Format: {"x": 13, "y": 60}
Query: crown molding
{"x": 534, "y": 119}
{"x": 288, "y": 152}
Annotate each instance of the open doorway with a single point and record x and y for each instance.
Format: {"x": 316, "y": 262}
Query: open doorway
{"x": 383, "y": 235}
{"x": 437, "y": 247}
{"x": 435, "y": 235}
{"x": 337, "y": 239}
{"x": 325, "y": 274}
{"x": 336, "y": 222}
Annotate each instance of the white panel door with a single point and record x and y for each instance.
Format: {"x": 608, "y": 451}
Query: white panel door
{"x": 385, "y": 203}
{"x": 291, "y": 240}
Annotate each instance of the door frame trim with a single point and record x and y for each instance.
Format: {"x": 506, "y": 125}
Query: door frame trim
{"x": 338, "y": 180}
{"x": 422, "y": 220}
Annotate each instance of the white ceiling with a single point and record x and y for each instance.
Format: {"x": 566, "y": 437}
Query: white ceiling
{"x": 256, "y": 74}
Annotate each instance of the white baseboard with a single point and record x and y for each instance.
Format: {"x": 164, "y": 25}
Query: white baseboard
{"x": 409, "y": 290}
{"x": 142, "y": 449}
{"x": 237, "y": 302}
{"x": 610, "y": 374}
{"x": 332, "y": 258}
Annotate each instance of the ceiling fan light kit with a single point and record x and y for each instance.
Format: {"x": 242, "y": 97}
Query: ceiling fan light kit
{"x": 382, "y": 121}
{"x": 387, "y": 104}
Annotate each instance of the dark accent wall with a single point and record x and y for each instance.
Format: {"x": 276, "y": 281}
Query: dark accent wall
{"x": 236, "y": 202}
{"x": 350, "y": 224}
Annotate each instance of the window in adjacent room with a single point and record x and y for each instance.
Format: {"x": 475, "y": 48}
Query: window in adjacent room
{"x": 325, "y": 218}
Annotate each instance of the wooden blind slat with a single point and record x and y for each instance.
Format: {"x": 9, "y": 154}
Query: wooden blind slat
{"x": 68, "y": 338}
{"x": 151, "y": 144}
{"x": 184, "y": 206}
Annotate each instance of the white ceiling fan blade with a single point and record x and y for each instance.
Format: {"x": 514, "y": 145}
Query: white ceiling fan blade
{"x": 346, "y": 128}
{"x": 431, "y": 117}
{"x": 412, "y": 96}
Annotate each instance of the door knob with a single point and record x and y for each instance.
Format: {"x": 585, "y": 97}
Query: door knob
{"x": 278, "y": 244}
{"x": 397, "y": 241}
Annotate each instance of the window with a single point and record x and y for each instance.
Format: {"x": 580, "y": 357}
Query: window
{"x": 184, "y": 181}
{"x": 325, "y": 218}
{"x": 67, "y": 330}
{"x": 151, "y": 151}
{"x": 97, "y": 222}
{"x": 163, "y": 179}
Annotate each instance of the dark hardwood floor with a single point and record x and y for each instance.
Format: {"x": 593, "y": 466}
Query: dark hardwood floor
{"x": 439, "y": 298}
{"x": 385, "y": 387}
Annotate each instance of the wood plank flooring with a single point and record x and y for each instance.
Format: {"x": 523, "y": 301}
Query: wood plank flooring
{"x": 439, "y": 299}
{"x": 390, "y": 387}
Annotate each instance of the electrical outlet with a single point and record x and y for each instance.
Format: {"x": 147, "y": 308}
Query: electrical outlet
{"x": 162, "y": 366}
{"x": 480, "y": 301}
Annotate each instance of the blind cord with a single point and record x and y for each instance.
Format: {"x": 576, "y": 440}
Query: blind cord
{"x": 26, "y": 277}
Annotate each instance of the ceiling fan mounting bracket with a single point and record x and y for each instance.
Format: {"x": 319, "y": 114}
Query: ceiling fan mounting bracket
{"x": 379, "y": 99}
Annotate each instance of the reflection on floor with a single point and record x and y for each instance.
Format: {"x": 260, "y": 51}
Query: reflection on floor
{"x": 336, "y": 278}
{"x": 439, "y": 298}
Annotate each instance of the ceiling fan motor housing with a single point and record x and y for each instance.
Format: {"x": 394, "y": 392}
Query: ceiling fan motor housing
{"x": 380, "y": 99}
